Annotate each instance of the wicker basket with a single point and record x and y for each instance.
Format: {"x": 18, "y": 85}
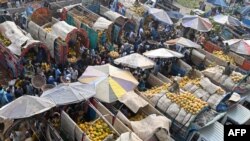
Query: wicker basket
{"x": 38, "y": 81}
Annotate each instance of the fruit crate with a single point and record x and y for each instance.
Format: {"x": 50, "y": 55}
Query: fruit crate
{"x": 98, "y": 129}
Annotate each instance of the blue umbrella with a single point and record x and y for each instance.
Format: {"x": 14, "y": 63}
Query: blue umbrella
{"x": 175, "y": 15}
{"x": 221, "y": 3}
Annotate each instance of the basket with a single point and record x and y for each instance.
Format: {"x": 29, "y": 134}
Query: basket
{"x": 47, "y": 87}
{"x": 38, "y": 81}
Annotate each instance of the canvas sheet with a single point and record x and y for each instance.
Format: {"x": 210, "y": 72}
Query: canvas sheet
{"x": 152, "y": 123}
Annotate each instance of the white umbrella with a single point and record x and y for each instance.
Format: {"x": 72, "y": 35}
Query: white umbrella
{"x": 135, "y": 60}
{"x": 160, "y": 15}
{"x": 196, "y": 22}
{"x": 184, "y": 42}
{"x": 111, "y": 82}
{"x": 69, "y": 93}
{"x": 26, "y": 106}
{"x": 226, "y": 19}
{"x": 162, "y": 53}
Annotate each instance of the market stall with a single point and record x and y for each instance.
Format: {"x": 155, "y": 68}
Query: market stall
{"x": 228, "y": 82}
{"x": 98, "y": 128}
{"x": 8, "y": 62}
{"x": 63, "y": 39}
{"x": 185, "y": 114}
{"x": 129, "y": 10}
{"x": 94, "y": 24}
{"x": 136, "y": 113}
{"x": 23, "y": 46}
{"x": 121, "y": 25}
{"x": 214, "y": 53}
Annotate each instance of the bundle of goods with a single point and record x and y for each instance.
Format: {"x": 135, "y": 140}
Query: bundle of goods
{"x": 156, "y": 90}
{"x": 139, "y": 10}
{"x": 4, "y": 40}
{"x": 97, "y": 130}
{"x": 204, "y": 89}
{"x": 48, "y": 29}
{"x": 114, "y": 54}
{"x": 229, "y": 82}
{"x": 224, "y": 57}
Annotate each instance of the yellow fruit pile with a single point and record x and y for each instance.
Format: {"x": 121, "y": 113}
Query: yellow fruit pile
{"x": 113, "y": 54}
{"x": 96, "y": 131}
{"x": 224, "y": 57}
{"x": 220, "y": 91}
{"x": 156, "y": 90}
{"x": 4, "y": 40}
{"x": 72, "y": 52}
{"x": 139, "y": 10}
{"x": 188, "y": 102}
{"x": 185, "y": 80}
{"x": 236, "y": 77}
{"x": 47, "y": 29}
{"x": 138, "y": 117}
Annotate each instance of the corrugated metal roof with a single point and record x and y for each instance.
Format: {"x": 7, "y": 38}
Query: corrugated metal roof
{"x": 239, "y": 114}
{"x": 214, "y": 132}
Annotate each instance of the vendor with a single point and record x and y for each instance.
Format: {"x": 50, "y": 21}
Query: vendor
{"x": 202, "y": 65}
{"x": 227, "y": 70}
{"x": 175, "y": 88}
{"x": 226, "y": 49}
{"x": 192, "y": 73}
{"x": 29, "y": 69}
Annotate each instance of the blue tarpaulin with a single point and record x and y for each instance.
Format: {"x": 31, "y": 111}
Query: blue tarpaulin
{"x": 29, "y": 10}
{"x": 221, "y": 3}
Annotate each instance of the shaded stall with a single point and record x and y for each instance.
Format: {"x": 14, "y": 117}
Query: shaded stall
{"x": 8, "y": 64}
{"x": 83, "y": 18}
{"x": 23, "y": 46}
{"x": 63, "y": 40}
{"x": 128, "y": 9}
{"x": 121, "y": 25}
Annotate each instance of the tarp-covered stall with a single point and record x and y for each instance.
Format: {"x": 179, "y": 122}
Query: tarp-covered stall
{"x": 83, "y": 18}
{"x": 21, "y": 45}
{"x": 127, "y": 8}
{"x": 63, "y": 39}
{"x": 121, "y": 23}
{"x": 8, "y": 61}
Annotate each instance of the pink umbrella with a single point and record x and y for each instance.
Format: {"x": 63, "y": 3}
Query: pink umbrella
{"x": 196, "y": 22}
{"x": 240, "y": 46}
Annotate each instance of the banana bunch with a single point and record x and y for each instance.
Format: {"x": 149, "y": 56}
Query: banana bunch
{"x": 185, "y": 80}
{"x": 138, "y": 117}
{"x": 48, "y": 29}
{"x": 96, "y": 131}
{"x": 139, "y": 10}
{"x": 188, "y": 102}
{"x": 5, "y": 41}
{"x": 236, "y": 77}
{"x": 113, "y": 54}
{"x": 224, "y": 57}
{"x": 156, "y": 90}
